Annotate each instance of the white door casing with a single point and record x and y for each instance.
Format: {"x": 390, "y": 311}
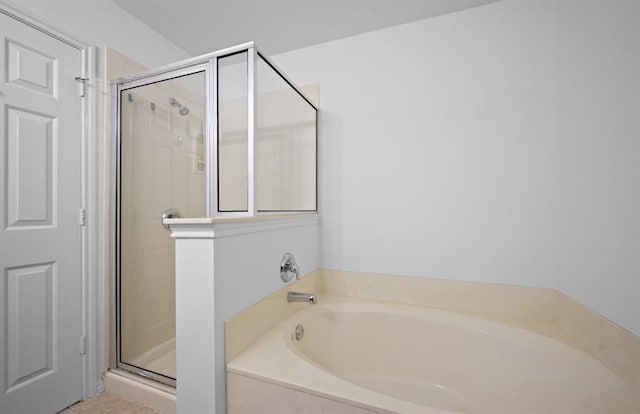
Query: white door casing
{"x": 40, "y": 233}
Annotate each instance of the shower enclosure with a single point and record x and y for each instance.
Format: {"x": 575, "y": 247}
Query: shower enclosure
{"x": 221, "y": 135}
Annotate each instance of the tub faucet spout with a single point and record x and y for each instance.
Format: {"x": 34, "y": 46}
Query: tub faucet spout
{"x": 302, "y": 297}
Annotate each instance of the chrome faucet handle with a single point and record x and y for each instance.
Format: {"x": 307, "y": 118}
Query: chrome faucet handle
{"x": 289, "y": 268}
{"x": 295, "y": 269}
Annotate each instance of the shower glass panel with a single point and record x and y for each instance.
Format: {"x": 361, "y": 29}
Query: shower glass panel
{"x": 162, "y": 166}
{"x": 285, "y": 144}
{"x": 233, "y": 134}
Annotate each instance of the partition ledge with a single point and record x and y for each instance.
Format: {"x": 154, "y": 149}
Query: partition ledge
{"x": 210, "y": 228}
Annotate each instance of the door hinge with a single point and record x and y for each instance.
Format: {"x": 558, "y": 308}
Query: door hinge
{"x": 82, "y": 217}
{"x": 83, "y": 345}
{"x": 83, "y": 85}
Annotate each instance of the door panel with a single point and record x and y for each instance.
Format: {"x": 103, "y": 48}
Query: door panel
{"x": 31, "y": 143}
{"x": 161, "y": 149}
{"x": 40, "y": 237}
{"x": 31, "y": 68}
{"x": 30, "y": 303}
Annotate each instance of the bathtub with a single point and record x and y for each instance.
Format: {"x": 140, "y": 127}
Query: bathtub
{"x": 388, "y": 358}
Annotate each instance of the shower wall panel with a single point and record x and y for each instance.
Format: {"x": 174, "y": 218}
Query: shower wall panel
{"x": 285, "y": 145}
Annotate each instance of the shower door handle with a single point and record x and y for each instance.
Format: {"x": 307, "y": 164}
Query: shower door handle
{"x": 169, "y": 214}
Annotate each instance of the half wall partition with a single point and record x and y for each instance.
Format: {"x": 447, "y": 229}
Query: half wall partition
{"x": 222, "y": 135}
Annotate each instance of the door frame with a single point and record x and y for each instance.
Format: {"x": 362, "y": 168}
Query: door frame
{"x": 92, "y": 232}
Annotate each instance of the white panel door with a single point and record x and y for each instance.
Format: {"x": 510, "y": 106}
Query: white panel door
{"x": 40, "y": 236}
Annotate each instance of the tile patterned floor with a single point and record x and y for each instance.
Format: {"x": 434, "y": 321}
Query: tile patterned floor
{"x": 106, "y": 403}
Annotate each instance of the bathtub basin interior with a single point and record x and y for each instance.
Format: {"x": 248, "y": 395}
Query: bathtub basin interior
{"x": 413, "y": 359}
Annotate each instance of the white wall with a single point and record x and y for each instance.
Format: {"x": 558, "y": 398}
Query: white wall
{"x": 497, "y": 144}
{"x": 598, "y": 149}
{"x": 247, "y": 270}
{"x": 102, "y": 23}
{"x": 221, "y": 269}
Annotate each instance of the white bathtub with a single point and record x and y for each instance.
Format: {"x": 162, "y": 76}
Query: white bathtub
{"x": 408, "y": 359}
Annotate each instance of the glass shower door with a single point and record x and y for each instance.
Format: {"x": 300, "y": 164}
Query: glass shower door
{"x": 161, "y": 167}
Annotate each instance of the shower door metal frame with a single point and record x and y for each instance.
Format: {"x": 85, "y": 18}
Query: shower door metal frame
{"x": 208, "y": 64}
{"x": 118, "y": 87}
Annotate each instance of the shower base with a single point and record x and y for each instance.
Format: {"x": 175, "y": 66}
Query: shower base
{"x": 159, "y": 397}
{"x": 160, "y": 359}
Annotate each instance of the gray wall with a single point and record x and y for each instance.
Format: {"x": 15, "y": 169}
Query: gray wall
{"x": 247, "y": 270}
{"x": 497, "y": 144}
